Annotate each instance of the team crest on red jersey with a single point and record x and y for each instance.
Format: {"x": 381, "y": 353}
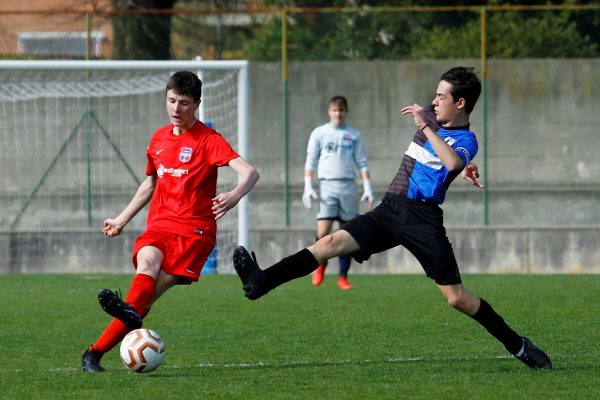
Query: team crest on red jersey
{"x": 186, "y": 154}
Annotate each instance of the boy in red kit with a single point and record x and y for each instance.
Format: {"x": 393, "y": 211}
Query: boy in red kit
{"x": 181, "y": 184}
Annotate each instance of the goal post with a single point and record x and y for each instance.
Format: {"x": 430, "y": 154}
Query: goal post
{"x": 75, "y": 132}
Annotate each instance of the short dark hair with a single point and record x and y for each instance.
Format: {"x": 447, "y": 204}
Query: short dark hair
{"x": 465, "y": 84}
{"x": 339, "y": 101}
{"x": 185, "y": 83}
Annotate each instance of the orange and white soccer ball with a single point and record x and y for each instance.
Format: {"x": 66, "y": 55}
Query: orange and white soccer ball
{"x": 142, "y": 350}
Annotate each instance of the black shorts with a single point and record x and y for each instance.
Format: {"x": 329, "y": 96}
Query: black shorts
{"x": 417, "y": 226}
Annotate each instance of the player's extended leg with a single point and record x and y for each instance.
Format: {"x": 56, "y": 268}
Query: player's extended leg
{"x": 479, "y": 309}
{"x": 142, "y": 289}
{"x": 323, "y": 228}
{"x": 257, "y": 282}
{"x": 141, "y": 294}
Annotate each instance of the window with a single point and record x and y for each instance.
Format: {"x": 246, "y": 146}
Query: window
{"x": 59, "y": 43}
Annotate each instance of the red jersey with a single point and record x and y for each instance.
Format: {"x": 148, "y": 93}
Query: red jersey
{"x": 186, "y": 169}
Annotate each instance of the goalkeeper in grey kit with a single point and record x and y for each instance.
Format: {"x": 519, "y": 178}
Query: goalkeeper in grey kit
{"x": 335, "y": 150}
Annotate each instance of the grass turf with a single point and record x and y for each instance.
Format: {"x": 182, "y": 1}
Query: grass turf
{"x": 391, "y": 337}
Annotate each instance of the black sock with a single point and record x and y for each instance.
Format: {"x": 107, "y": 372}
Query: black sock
{"x": 495, "y": 325}
{"x": 344, "y": 265}
{"x": 295, "y": 266}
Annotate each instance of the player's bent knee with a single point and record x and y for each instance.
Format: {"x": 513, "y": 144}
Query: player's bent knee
{"x": 463, "y": 303}
{"x": 149, "y": 260}
{"x": 148, "y": 267}
{"x": 324, "y": 248}
{"x": 455, "y": 298}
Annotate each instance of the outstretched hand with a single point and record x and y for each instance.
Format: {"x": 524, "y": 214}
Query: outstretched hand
{"x": 112, "y": 228}
{"x": 471, "y": 174}
{"x": 417, "y": 112}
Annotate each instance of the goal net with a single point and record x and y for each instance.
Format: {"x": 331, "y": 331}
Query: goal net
{"x": 74, "y": 134}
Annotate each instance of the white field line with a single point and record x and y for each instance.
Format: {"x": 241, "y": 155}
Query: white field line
{"x": 257, "y": 364}
{"x": 266, "y": 364}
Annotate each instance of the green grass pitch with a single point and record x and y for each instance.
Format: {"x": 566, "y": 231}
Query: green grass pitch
{"x": 392, "y": 337}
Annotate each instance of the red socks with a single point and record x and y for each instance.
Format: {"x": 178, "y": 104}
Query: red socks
{"x": 140, "y": 294}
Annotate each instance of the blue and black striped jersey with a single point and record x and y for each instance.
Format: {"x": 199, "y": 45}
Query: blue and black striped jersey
{"x": 421, "y": 175}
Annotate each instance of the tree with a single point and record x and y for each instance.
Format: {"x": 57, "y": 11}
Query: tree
{"x": 212, "y": 35}
{"x": 510, "y": 34}
{"x": 142, "y": 36}
{"x": 371, "y": 34}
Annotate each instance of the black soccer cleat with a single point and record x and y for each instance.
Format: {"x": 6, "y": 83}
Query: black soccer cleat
{"x": 112, "y": 303}
{"x": 534, "y": 357}
{"x": 249, "y": 272}
{"x": 90, "y": 361}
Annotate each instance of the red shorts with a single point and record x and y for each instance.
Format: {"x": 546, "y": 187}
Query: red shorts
{"x": 183, "y": 255}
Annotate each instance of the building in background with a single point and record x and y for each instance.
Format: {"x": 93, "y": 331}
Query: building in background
{"x": 53, "y": 29}
{"x": 61, "y": 29}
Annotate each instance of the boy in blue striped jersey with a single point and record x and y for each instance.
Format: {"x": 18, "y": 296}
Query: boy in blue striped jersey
{"x": 409, "y": 215}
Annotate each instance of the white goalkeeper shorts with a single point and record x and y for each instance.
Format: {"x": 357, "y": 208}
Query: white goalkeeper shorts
{"x": 338, "y": 199}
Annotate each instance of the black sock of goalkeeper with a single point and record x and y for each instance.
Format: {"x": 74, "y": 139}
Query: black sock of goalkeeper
{"x": 295, "y": 266}
{"x": 495, "y": 325}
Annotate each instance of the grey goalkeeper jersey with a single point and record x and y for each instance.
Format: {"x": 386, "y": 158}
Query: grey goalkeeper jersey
{"x": 334, "y": 152}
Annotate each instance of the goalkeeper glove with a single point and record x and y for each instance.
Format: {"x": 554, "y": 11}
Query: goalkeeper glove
{"x": 309, "y": 192}
{"x": 368, "y": 192}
